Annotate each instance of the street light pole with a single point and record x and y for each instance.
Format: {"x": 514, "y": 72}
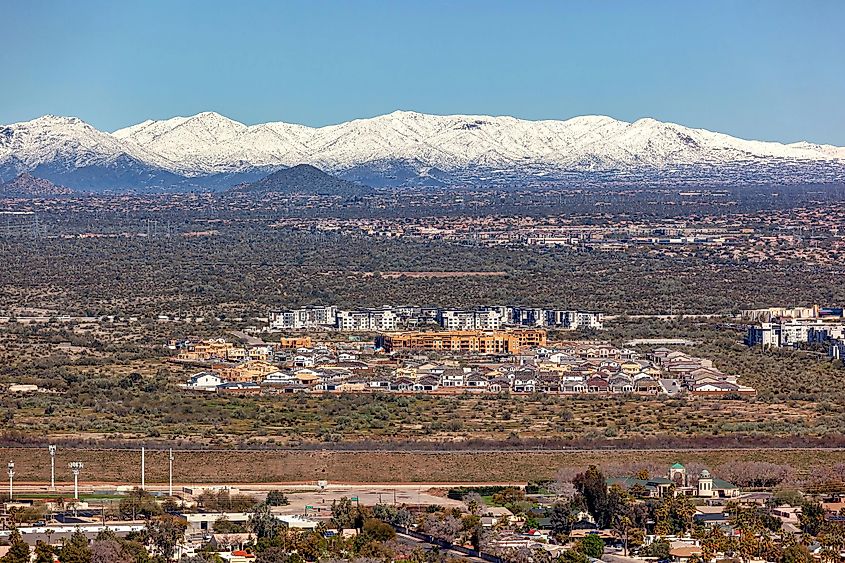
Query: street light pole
{"x": 75, "y": 468}
{"x": 11, "y": 477}
{"x": 52, "y": 449}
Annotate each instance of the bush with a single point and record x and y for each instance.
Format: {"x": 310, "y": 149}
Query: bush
{"x": 592, "y": 546}
{"x": 378, "y": 530}
{"x": 277, "y": 498}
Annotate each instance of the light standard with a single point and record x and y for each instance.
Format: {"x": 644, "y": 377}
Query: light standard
{"x": 11, "y": 477}
{"x": 75, "y": 468}
{"x": 52, "y": 449}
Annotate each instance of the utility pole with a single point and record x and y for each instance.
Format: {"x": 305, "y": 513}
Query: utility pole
{"x": 11, "y": 477}
{"x": 143, "y": 461}
{"x": 170, "y": 470}
{"x": 52, "y": 449}
{"x": 75, "y": 468}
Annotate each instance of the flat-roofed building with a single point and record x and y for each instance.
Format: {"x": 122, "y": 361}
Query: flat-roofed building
{"x": 303, "y": 318}
{"x": 793, "y": 332}
{"x": 461, "y": 319}
{"x": 465, "y": 341}
{"x": 363, "y": 320}
{"x": 294, "y": 342}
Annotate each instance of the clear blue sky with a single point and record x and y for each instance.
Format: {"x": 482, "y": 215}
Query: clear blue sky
{"x": 757, "y": 69}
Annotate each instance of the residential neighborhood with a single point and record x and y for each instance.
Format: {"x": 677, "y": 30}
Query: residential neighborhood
{"x": 518, "y": 361}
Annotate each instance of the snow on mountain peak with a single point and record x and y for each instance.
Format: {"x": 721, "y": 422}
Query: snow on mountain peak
{"x": 209, "y": 143}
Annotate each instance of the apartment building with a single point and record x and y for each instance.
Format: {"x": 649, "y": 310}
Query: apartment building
{"x": 303, "y": 318}
{"x": 367, "y": 320}
{"x": 527, "y": 316}
{"x": 465, "y": 341}
{"x": 492, "y": 317}
{"x": 557, "y": 318}
{"x": 781, "y": 333}
{"x": 460, "y": 319}
{"x": 576, "y": 320}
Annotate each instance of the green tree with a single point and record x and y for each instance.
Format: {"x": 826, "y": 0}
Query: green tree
{"x": 572, "y": 556}
{"x": 592, "y": 486}
{"x": 18, "y": 549}
{"x": 75, "y": 549}
{"x": 592, "y": 546}
{"x": 563, "y": 517}
{"x": 263, "y": 523}
{"x": 139, "y": 503}
{"x": 378, "y": 530}
{"x": 164, "y": 533}
{"x": 812, "y": 518}
{"x": 659, "y": 549}
{"x": 674, "y": 515}
{"x": 277, "y": 498}
{"x": 43, "y": 552}
{"x": 386, "y": 513}
{"x": 136, "y": 551}
{"x": 277, "y": 555}
{"x": 509, "y": 496}
{"x": 225, "y": 526}
{"x": 311, "y": 545}
{"x": 797, "y": 553}
{"x": 343, "y": 514}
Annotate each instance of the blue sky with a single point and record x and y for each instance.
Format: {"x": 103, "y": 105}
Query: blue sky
{"x": 757, "y": 69}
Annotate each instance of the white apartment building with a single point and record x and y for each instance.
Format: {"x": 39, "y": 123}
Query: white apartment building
{"x": 303, "y": 318}
{"x": 366, "y": 320}
{"x": 459, "y": 319}
{"x": 558, "y": 318}
{"x": 585, "y": 320}
{"x": 393, "y": 318}
{"x": 792, "y": 332}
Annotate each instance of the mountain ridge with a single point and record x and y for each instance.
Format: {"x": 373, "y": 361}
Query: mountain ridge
{"x": 301, "y": 179}
{"x": 27, "y": 185}
{"x": 416, "y": 148}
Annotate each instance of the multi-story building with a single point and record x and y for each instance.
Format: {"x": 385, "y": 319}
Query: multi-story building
{"x": 303, "y": 318}
{"x": 365, "y": 320}
{"x": 527, "y": 316}
{"x": 558, "y": 318}
{"x": 773, "y": 313}
{"x": 575, "y": 320}
{"x": 781, "y": 333}
{"x": 459, "y": 319}
{"x": 465, "y": 341}
{"x": 392, "y": 318}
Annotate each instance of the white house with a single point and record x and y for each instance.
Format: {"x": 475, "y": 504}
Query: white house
{"x": 204, "y": 381}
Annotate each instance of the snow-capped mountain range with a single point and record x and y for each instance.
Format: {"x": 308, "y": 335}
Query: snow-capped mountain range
{"x": 401, "y": 148}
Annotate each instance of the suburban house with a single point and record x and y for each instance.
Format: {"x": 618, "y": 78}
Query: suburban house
{"x": 204, "y": 381}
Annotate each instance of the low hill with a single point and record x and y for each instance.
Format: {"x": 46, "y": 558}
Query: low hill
{"x": 302, "y": 179}
{"x": 26, "y": 185}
